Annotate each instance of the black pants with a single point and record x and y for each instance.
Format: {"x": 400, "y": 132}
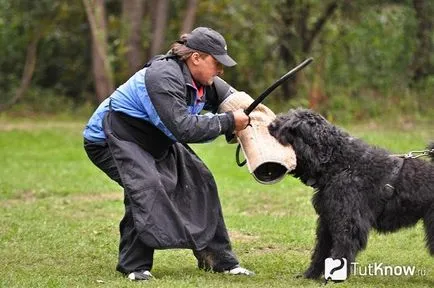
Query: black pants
{"x": 134, "y": 255}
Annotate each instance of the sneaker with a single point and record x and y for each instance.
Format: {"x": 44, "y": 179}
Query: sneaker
{"x": 238, "y": 270}
{"x": 140, "y": 275}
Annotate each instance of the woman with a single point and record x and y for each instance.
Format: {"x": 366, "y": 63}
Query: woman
{"x": 138, "y": 137}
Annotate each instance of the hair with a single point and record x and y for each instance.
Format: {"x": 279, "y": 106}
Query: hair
{"x": 183, "y": 52}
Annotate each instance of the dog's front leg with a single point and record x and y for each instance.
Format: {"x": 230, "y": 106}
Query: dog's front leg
{"x": 349, "y": 236}
{"x": 347, "y": 218}
{"x": 321, "y": 252}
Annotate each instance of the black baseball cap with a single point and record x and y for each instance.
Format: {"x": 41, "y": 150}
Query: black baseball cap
{"x": 211, "y": 42}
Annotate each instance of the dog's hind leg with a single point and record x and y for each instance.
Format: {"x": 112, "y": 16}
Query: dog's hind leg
{"x": 321, "y": 252}
{"x": 428, "y": 222}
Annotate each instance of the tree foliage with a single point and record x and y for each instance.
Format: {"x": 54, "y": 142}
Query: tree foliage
{"x": 377, "y": 48}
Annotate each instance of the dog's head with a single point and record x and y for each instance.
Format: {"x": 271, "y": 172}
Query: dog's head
{"x": 305, "y": 124}
{"x": 312, "y": 137}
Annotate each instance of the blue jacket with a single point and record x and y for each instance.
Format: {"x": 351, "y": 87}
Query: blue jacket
{"x": 163, "y": 94}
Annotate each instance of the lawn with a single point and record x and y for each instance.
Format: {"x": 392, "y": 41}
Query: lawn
{"x": 60, "y": 214}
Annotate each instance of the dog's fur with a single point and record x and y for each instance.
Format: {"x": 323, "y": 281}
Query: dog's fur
{"x": 350, "y": 178}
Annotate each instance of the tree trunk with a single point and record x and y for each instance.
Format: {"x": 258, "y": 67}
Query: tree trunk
{"x": 421, "y": 65}
{"x": 159, "y": 23}
{"x": 288, "y": 43}
{"x": 288, "y": 58}
{"x": 102, "y": 71}
{"x": 29, "y": 68}
{"x": 312, "y": 34}
{"x": 132, "y": 17}
{"x": 190, "y": 17}
{"x": 297, "y": 36}
{"x": 317, "y": 96}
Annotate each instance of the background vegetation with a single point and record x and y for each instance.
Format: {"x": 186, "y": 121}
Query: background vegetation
{"x": 373, "y": 59}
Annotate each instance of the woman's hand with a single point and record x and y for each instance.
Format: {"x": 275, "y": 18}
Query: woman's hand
{"x": 241, "y": 120}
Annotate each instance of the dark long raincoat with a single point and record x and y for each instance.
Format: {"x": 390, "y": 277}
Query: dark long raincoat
{"x": 171, "y": 198}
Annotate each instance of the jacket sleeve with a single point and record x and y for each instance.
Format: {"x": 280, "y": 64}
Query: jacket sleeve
{"x": 166, "y": 89}
{"x": 217, "y": 93}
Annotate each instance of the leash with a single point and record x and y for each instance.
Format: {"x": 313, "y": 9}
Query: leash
{"x": 416, "y": 154}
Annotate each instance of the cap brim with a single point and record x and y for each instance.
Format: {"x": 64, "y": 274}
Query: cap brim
{"x": 225, "y": 59}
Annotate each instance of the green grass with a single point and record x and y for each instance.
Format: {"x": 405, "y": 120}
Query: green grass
{"x": 59, "y": 217}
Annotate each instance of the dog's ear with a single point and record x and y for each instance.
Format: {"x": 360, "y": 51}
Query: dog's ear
{"x": 278, "y": 130}
{"x": 281, "y": 128}
{"x": 330, "y": 142}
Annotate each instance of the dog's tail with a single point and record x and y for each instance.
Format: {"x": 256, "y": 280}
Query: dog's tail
{"x": 431, "y": 151}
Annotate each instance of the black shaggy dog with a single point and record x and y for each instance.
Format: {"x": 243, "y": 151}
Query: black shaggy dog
{"x": 358, "y": 187}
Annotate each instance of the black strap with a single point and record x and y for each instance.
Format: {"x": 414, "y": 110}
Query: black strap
{"x": 389, "y": 187}
{"x": 237, "y": 157}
